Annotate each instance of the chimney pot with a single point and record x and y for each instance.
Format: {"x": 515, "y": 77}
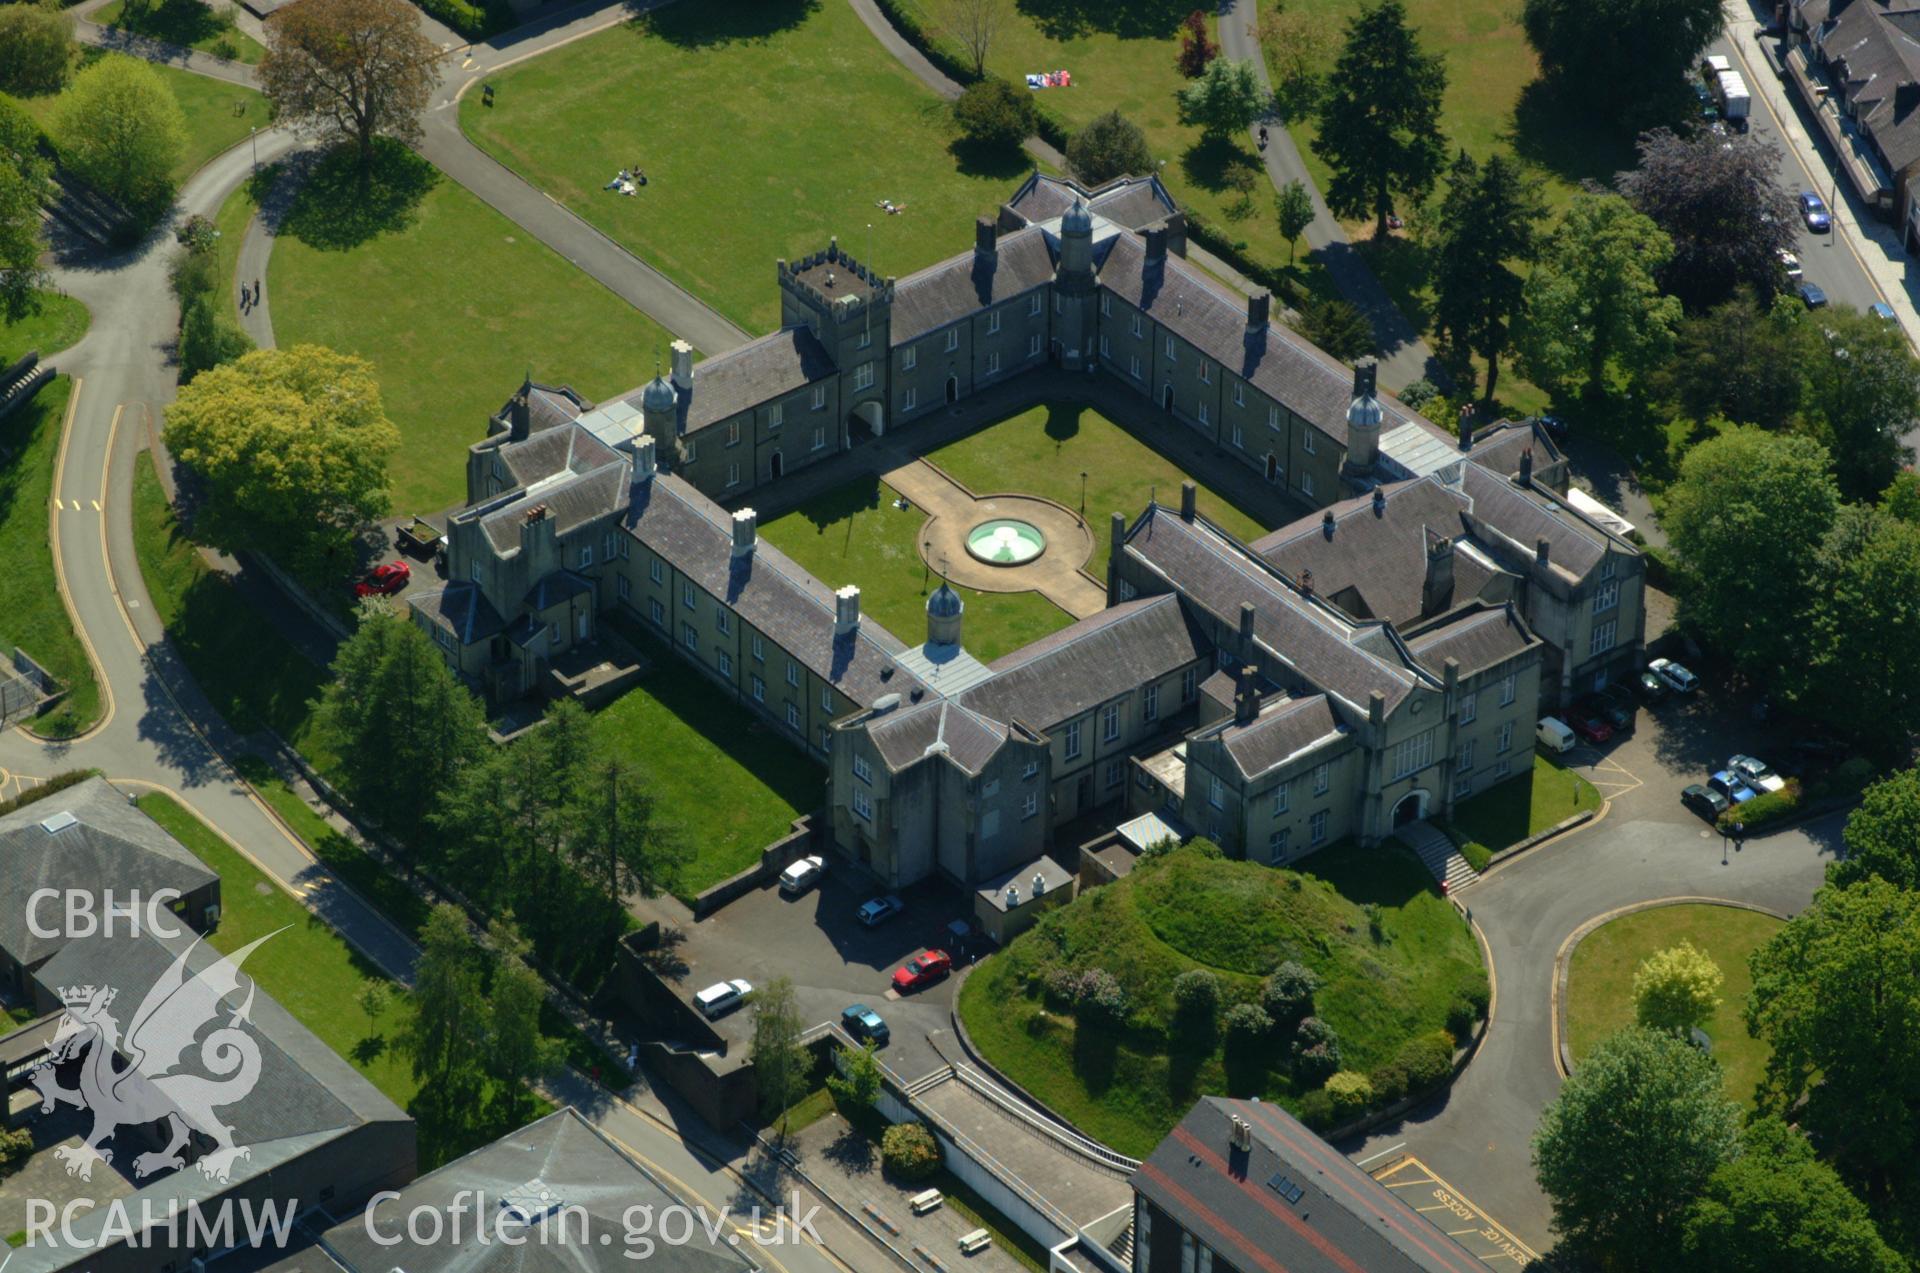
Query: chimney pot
{"x": 745, "y": 532}
{"x": 1327, "y": 523}
{"x": 1306, "y": 583}
{"x": 846, "y": 610}
{"x": 1526, "y": 467}
{"x": 1156, "y": 237}
{"x": 645, "y": 463}
{"x": 1189, "y": 501}
{"x": 1466, "y": 428}
{"x": 985, "y": 235}
{"x": 682, "y": 364}
{"x": 1379, "y": 502}
{"x": 1541, "y": 552}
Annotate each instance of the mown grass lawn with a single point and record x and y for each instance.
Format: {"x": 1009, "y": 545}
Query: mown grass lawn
{"x": 32, "y": 615}
{"x": 1238, "y": 920}
{"x": 1600, "y": 980}
{"x": 854, "y": 534}
{"x": 1044, "y": 450}
{"x": 189, "y": 23}
{"x": 732, "y": 783}
{"x": 317, "y": 977}
{"x": 452, "y": 304}
{"x": 1509, "y": 812}
{"x": 763, "y": 129}
{"x": 60, "y": 322}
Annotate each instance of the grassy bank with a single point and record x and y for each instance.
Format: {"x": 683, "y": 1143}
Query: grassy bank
{"x": 1509, "y": 812}
{"x": 60, "y": 322}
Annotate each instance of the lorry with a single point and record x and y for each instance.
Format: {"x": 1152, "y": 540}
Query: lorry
{"x": 1729, "y": 90}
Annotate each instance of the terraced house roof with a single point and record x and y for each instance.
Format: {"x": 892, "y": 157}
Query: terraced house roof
{"x": 1281, "y": 733}
{"x": 1478, "y": 640}
{"x": 966, "y": 284}
{"x": 1524, "y": 515}
{"x": 1076, "y": 669}
{"x": 755, "y": 373}
{"x": 572, "y": 499}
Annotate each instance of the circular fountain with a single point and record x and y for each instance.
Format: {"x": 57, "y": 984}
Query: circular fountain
{"x": 1006, "y": 541}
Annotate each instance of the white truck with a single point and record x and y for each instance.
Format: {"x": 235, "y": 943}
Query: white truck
{"x": 1728, "y": 89}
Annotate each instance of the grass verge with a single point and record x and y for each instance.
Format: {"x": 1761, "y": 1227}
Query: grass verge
{"x": 188, "y": 23}
{"x": 1509, "y": 812}
{"x": 60, "y": 322}
{"x": 1600, "y": 980}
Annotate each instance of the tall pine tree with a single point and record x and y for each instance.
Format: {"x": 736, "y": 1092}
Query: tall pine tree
{"x": 1487, "y": 226}
{"x": 1380, "y": 117}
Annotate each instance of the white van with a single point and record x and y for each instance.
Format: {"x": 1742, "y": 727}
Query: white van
{"x": 721, "y": 998}
{"x": 800, "y": 876}
{"x": 1552, "y": 733}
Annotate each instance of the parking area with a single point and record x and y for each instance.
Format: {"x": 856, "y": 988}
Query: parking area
{"x": 1485, "y": 1238}
{"x": 817, "y": 940}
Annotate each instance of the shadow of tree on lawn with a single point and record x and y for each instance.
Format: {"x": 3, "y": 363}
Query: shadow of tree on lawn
{"x": 1129, "y": 19}
{"x": 699, "y": 26}
{"x": 334, "y": 208}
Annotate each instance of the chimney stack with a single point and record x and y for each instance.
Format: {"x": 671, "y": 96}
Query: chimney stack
{"x": 1436, "y": 594}
{"x": 1526, "y": 467}
{"x": 1156, "y": 237}
{"x": 846, "y": 610}
{"x": 519, "y": 417}
{"x": 1379, "y": 501}
{"x": 1117, "y": 536}
{"x": 1246, "y": 630}
{"x": 1189, "y": 501}
{"x": 644, "y": 463}
{"x": 1259, "y": 305}
{"x": 985, "y": 235}
{"x": 1376, "y": 708}
{"x": 1327, "y": 523}
{"x": 1541, "y": 552}
{"x": 1450, "y": 677}
{"x": 1246, "y": 697}
{"x": 682, "y": 365}
{"x": 1466, "y": 427}
{"x": 745, "y": 532}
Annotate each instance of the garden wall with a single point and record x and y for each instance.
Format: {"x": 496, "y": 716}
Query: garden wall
{"x": 775, "y": 858}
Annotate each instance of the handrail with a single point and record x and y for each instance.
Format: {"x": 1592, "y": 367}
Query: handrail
{"x": 1064, "y": 1136}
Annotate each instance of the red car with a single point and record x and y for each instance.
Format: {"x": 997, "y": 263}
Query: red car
{"x": 923, "y": 969}
{"x": 384, "y": 580}
{"x": 1590, "y": 727}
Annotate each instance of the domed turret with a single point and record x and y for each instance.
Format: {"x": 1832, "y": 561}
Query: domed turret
{"x": 1364, "y": 414}
{"x": 944, "y": 609}
{"x": 1078, "y": 219}
{"x": 657, "y": 402}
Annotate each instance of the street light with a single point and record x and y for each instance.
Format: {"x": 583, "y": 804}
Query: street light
{"x": 253, "y": 136}
{"x": 1083, "y": 497}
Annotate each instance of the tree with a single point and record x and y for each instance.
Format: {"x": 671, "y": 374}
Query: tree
{"x": 119, "y": 129}
{"x": 1197, "y": 49}
{"x": 1739, "y": 360}
{"x": 1676, "y": 990}
{"x": 859, "y": 1087}
{"x": 1293, "y": 208}
{"x": 207, "y": 340}
{"x": 1746, "y": 518}
{"x": 1487, "y": 225}
{"x": 1862, "y": 394}
{"x": 1883, "y": 835}
{"x": 780, "y": 1063}
{"x": 36, "y": 48}
{"x": 1861, "y": 642}
{"x": 448, "y": 1026}
{"x": 401, "y": 725}
{"x": 517, "y": 1053}
{"x": 622, "y": 844}
{"x": 292, "y": 446}
{"x": 1627, "y": 59}
{"x": 1631, "y": 1140}
{"x": 1836, "y": 996}
{"x": 975, "y": 23}
{"x": 1778, "y": 1209}
{"x": 1593, "y": 308}
{"x": 1902, "y": 498}
{"x": 1298, "y": 46}
{"x": 1337, "y": 326}
{"x": 995, "y": 113}
{"x": 1226, "y": 99}
{"x": 1111, "y": 145}
{"x": 373, "y": 1000}
{"x": 1380, "y": 117}
{"x": 23, "y": 188}
{"x": 350, "y": 71}
{"x": 1717, "y": 199}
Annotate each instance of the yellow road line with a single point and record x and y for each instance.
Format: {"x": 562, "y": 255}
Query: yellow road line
{"x": 59, "y": 570}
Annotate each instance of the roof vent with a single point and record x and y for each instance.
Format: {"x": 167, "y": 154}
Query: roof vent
{"x": 1284, "y": 1186}
{"x": 1013, "y": 895}
{"x": 1039, "y": 883}
{"x": 885, "y": 703}
{"x": 59, "y": 822}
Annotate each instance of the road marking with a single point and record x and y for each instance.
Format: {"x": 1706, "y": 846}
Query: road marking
{"x": 59, "y": 569}
{"x": 96, "y": 506}
{"x": 1382, "y": 1154}
{"x": 1494, "y": 1241}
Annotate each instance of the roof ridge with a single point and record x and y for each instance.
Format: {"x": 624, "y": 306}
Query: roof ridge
{"x": 1098, "y": 622}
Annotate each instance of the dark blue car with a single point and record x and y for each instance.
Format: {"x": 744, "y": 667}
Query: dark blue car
{"x": 1814, "y": 212}
{"x": 863, "y": 1023}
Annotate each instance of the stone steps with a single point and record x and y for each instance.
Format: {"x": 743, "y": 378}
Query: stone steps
{"x": 1437, "y": 852}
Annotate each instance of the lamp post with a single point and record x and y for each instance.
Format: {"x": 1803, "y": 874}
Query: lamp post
{"x": 253, "y": 137}
{"x": 1083, "y": 497}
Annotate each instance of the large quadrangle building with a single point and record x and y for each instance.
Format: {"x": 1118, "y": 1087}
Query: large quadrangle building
{"x": 1361, "y": 668}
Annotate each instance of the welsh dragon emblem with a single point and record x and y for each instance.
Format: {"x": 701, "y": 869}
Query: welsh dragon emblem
{"x": 136, "y": 1078}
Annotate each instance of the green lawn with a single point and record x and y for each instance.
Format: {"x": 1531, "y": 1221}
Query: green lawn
{"x": 854, "y": 534}
{"x": 734, "y": 785}
{"x": 61, "y": 321}
{"x": 1600, "y": 981}
{"x": 218, "y": 113}
{"x": 36, "y": 618}
{"x": 1044, "y": 450}
{"x": 185, "y": 22}
{"x": 763, "y": 129}
{"x": 1505, "y": 814}
{"x": 452, "y": 304}
{"x": 231, "y": 222}
{"x": 1239, "y": 920}
{"x": 250, "y": 674}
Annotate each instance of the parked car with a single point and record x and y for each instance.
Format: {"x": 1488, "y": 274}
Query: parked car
{"x": 1678, "y": 679}
{"x": 802, "y": 875}
{"x": 1883, "y": 311}
{"x": 1553, "y": 735}
{"x": 1756, "y": 773}
{"x": 1650, "y": 687}
{"x": 384, "y": 580}
{"x": 1730, "y": 786}
{"x": 923, "y": 969}
{"x": 1812, "y": 297}
{"x": 1612, "y": 705}
{"x": 1791, "y": 264}
{"x": 721, "y": 998}
{"x": 1705, "y": 801}
{"x": 1814, "y": 212}
{"x": 864, "y": 1024}
{"x": 879, "y": 910}
{"x": 1591, "y": 727}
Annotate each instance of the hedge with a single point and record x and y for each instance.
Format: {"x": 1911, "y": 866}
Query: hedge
{"x": 902, "y": 14}
{"x": 52, "y": 786}
{"x": 1764, "y": 810}
{"x": 475, "y": 21}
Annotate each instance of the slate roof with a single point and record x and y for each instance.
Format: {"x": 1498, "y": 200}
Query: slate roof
{"x": 1281, "y": 732}
{"x": 936, "y": 727}
{"x": 460, "y": 608}
{"x": 1133, "y": 202}
{"x": 1374, "y": 566}
{"x": 111, "y": 846}
{"x": 964, "y": 285}
{"x": 1498, "y": 449}
{"x": 1524, "y": 515}
{"x": 1232, "y": 1200}
{"x": 555, "y": 450}
{"x": 766, "y": 588}
{"x": 554, "y": 589}
{"x": 1085, "y": 664}
{"x": 572, "y": 499}
{"x": 1218, "y": 574}
{"x": 756, "y": 372}
{"x": 1872, "y": 49}
{"x": 1478, "y": 640}
{"x": 562, "y": 1155}
{"x": 1278, "y": 361}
